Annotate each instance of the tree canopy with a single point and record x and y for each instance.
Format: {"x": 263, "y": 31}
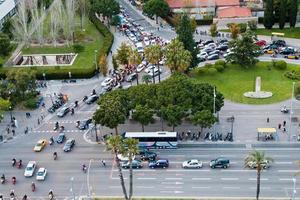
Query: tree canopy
{"x": 159, "y": 8}
{"x": 107, "y": 8}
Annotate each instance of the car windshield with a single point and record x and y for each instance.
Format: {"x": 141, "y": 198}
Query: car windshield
{"x": 29, "y": 168}
{"x": 40, "y": 173}
{"x": 39, "y": 144}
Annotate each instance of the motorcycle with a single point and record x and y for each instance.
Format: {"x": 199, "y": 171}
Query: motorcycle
{"x": 61, "y": 129}
{"x": 54, "y": 156}
{"x": 84, "y": 168}
{"x": 2, "y": 180}
{"x": 51, "y": 195}
{"x": 13, "y": 162}
{"x": 20, "y": 164}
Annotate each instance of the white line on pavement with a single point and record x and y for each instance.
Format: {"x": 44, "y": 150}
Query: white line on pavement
{"x": 145, "y": 187}
{"x": 286, "y": 179}
{"x": 283, "y": 170}
{"x": 236, "y": 170}
{"x": 176, "y": 192}
{"x": 199, "y": 187}
{"x": 118, "y": 178}
{"x": 231, "y": 188}
{"x": 173, "y": 187}
{"x": 262, "y": 188}
{"x": 201, "y": 179}
{"x": 173, "y": 178}
{"x": 145, "y": 178}
{"x": 254, "y": 179}
{"x": 284, "y": 163}
{"x": 184, "y": 170}
{"x": 229, "y": 179}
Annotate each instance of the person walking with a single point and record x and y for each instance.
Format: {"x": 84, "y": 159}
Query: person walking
{"x": 268, "y": 120}
{"x": 284, "y": 123}
{"x": 279, "y": 126}
{"x": 103, "y": 163}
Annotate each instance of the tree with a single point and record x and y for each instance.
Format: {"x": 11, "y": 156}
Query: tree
{"x": 185, "y": 32}
{"x": 159, "y": 8}
{"x": 107, "y": 8}
{"x": 193, "y": 24}
{"x": 115, "y": 20}
{"x": 7, "y": 28}
{"x": 173, "y": 114}
{"x": 252, "y": 25}
{"x": 282, "y": 13}
{"x": 114, "y": 62}
{"x": 123, "y": 54}
{"x": 242, "y": 27}
{"x": 213, "y": 29}
{"x": 234, "y": 30}
{"x": 103, "y": 65}
{"x": 115, "y": 144}
{"x": 293, "y": 10}
{"x": 5, "y": 46}
{"x": 268, "y": 14}
{"x": 20, "y": 23}
{"x": 134, "y": 59}
{"x": 244, "y": 51}
{"x": 4, "y": 106}
{"x": 177, "y": 58}
{"x": 204, "y": 119}
{"x": 130, "y": 149}
{"x": 146, "y": 78}
{"x": 143, "y": 115}
{"x": 259, "y": 158}
{"x": 153, "y": 54}
{"x": 111, "y": 111}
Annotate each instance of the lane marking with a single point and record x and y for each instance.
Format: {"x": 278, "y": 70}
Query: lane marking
{"x": 173, "y": 178}
{"x": 199, "y": 187}
{"x": 229, "y": 179}
{"x": 184, "y": 170}
{"x": 284, "y": 163}
{"x": 236, "y": 170}
{"x": 285, "y": 179}
{"x": 254, "y": 179}
{"x": 145, "y": 187}
{"x": 231, "y": 188}
{"x": 283, "y": 170}
{"x": 201, "y": 179}
{"x": 173, "y": 187}
{"x": 146, "y": 178}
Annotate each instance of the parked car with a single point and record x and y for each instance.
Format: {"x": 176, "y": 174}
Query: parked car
{"x": 140, "y": 67}
{"x": 291, "y": 57}
{"x": 219, "y": 162}
{"x": 214, "y": 52}
{"x": 287, "y": 50}
{"x": 124, "y": 158}
{"x": 63, "y": 111}
{"x": 29, "y": 170}
{"x": 222, "y": 47}
{"x": 148, "y": 155}
{"x": 207, "y": 50}
{"x": 40, "y": 145}
{"x": 83, "y": 124}
{"x": 280, "y": 43}
{"x": 107, "y": 82}
{"x": 213, "y": 57}
{"x": 41, "y": 174}
{"x": 265, "y": 164}
{"x": 136, "y": 164}
{"x": 146, "y": 41}
{"x": 69, "y": 145}
{"x": 192, "y": 164}
{"x": 92, "y": 99}
{"x": 202, "y": 54}
{"x": 61, "y": 138}
{"x": 155, "y": 72}
{"x": 261, "y": 43}
{"x": 131, "y": 77}
{"x": 159, "y": 164}
{"x": 207, "y": 42}
{"x": 211, "y": 45}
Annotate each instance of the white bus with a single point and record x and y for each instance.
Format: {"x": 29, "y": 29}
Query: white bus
{"x": 156, "y": 140}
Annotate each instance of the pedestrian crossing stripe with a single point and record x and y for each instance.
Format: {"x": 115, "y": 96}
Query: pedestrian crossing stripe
{"x": 65, "y": 131}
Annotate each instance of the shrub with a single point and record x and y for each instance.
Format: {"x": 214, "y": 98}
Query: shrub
{"x": 208, "y": 65}
{"x": 294, "y": 75}
{"x": 201, "y": 70}
{"x": 242, "y": 27}
{"x": 221, "y": 62}
{"x": 212, "y": 71}
{"x": 252, "y": 25}
{"x": 219, "y": 68}
{"x": 297, "y": 89}
{"x": 31, "y": 103}
{"x": 78, "y": 48}
{"x": 281, "y": 65}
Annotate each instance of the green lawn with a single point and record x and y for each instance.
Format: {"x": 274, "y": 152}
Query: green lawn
{"x": 288, "y": 32}
{"x": 84, "y": 59}
{"x": 234, "y": 81}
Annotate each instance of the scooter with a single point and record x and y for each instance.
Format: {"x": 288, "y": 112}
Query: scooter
{"x": 2, "y": 180}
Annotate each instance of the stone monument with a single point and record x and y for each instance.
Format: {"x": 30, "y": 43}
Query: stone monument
{"x": 258, "y": 94}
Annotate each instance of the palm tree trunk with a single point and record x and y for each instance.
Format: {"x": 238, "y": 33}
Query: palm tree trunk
{"x": 143, "y": 128}
{"x": 158, "y": 67}
{"x": 258, "y": 184}
{"x": 116, "y": 130}
{"x": 130, "y": 181}
{"x": 153, "y": 77}
{"x": 137, "y": 76}
{"x": 162, "y": 123}
{"x": 121, "y": 176}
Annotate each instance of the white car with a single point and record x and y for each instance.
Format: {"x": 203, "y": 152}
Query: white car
{"x": 29, "y": 170}
{"x": 211, "y": 45}
{"x": 132, "y": 37}
{"x": 155, "y": 73}
{"x": 140, "y": 67}
{"x": 41, "y": 174}
{"x": 140, "y": 50}
{"x": 150, "y": 68}
{"x": 202, "y": 54}
{"x": 192, "y": 164}
{"x": 124, "y": 158}
{"x": 107, "y": 82}
{"x": 146, "y": 41}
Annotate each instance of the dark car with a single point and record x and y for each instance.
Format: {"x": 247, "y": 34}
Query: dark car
{"x": 131, "y": 77}
{"x": 219, "y": 162}
{"x": 208, "y": 42}
{"x": 159, "y": 164}
{"x": 148, "y": 155}
{"x": 63, "y": 111}
{"x": 92, "y": 99}
{"x": 213, "y": 57}
{"x": 214, "y": 52}
{"x": 287, "y": 51}
{"x": 280, "y": 43}
{"x": 61, "y": 138}
{"x": 222, "y": 47}
{"x": 84, "y": 124}
{"x": 136, "y": 164}
{"x": 69, "y": 145}
{"x": 221, "y": 41}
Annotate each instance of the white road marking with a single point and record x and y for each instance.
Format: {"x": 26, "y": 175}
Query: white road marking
{"x": 173, "y": 187}
{"x": 284, "y": 163}
{"x": 146, "y": 178}
{"x": 231, "y": 187}
{"x": 201, "y": 179}
{"x": 184, "y": 170}
{"x": 229, "y": 179}
{"x": 287, "y": 170}
{"x": 236, "y": 170}
{"x": 262, "y": 188}
{"x": 201, "y": 187}
{"x": 254, "y": 179}
{"x": 118, "y": 178}
{"x": 173, "y": 178}
{"x": 286, "y": 179}
{"x": 176, "y": 192}
{"x": 145, "y": 187}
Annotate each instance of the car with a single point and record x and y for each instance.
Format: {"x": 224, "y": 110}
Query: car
{"x": 207, "y": 42}
{"x": 265, "y": 164}
{"x": 41, "y": 174}
{"x": 207, "y": 50}
{"x": 150, "y": 68}
{"x": 291, "y": 57}
{"x": 158, "y": 164}
{"x": 202, "y": 54}
{"x": 155, "y": 72}
{"x": 146, "y": 41}
{"x": 136, "y": 164}
{"x": 222, "y": 41}
{"x": 132, "y": 37}
{"x": 147, "y": 155}
{"x": 213, "y": 57}
{"x": 261, "y": 43}
{"x": 287, "y": 50}
{"x": 227, "y": 54}
{"x": 40, "y": 145}
{"x": 214, "y": 52}
{"x": 69, "y": 145}
{"x": 140, "y": 67}
{"x": 107, "y": 82}
{"x": 63, "y": 111}
{"x": 124, "y": 158}
{"x": 192, "y": 164}
{"x": 92, "y": 99}
{"x": 222, "y": 47}
{"x": 131, "y": 77}
{"x": 61, "y": 138}
{"x": 211, "y": 45}
{"x": 29, "y": 170}
{"x": 280, "y": 43}
{"x": 219, "y": 162}
{"x": 140, "y": 49}
{"x": 270, "y": 51}
{"x": 83, "y": 124}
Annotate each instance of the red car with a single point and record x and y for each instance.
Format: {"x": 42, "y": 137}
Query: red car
{"x": 261, "y": 43}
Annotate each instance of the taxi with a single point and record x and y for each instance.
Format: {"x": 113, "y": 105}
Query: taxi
{"x": 40, "y": 145}
{"x": 270, "y": 51}
{"x": 292, "y": 57}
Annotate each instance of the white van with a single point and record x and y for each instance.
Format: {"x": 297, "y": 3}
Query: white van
{"x": 139, "y": 47}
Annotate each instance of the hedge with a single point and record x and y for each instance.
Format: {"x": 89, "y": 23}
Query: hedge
{"x": 58, "y": 72}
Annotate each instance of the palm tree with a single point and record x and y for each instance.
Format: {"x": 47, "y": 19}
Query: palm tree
{"x": 114, "y": 144}
{"x": 154, "y": 54}
{"x": 134, "y": 59}
{"x": 259, "y": 158}
{"x": 146, "y": 78}
{"x": 123, "y": 54}
{"x": 130, "y": 149}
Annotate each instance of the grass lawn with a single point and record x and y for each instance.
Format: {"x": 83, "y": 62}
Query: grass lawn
{"x": 288, "y": 32}
{"x": 235, "y": 81}
{"x": 85, "y": 58}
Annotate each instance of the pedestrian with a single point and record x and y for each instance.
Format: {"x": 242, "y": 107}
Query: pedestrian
{"x": 13, "y": 132}
{"x": 103, "y": 163}
{"x": 110, "y": 51}
{"x": 284, "y": 123}
{"x": 284, "y": 129}
{"x": 268, "y": 120}
{"x": 7, "y": 130}
{"x": 279, "y": 126}
{"x": 42, "y": 117}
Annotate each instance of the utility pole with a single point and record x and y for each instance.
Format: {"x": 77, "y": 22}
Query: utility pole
{"x": 290, "y": 125}
{"x": 214, "y": 109}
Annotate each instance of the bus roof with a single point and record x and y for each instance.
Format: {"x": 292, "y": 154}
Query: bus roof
{"x": 150, "y": 134}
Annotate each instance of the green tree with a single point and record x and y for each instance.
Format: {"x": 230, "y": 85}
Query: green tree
{"x": 103, "y": 65}
{"x": 234, "y": 30}
{"x": 193, "y": 24}
{"x": 114, "y": 62}
{"x": 115, "y": 145}
{"x": 7, "y": 28}
{"x": 259, "y": 158}
{"x": 242, "y": 27}
{"x": 123, "y": 54}
{"x": 115, "y": 20}
{"x": 143, "y": 115}
{"x": 177, "y": 58}
{"x": 134, "y": 59}
{"x": 173, "y": 114}
{"x": 282, "y": 13}
{"x": 244, "y": 51}
{"x": 153, "y": 54}
{"x": 213, "y": 29}
{"x": 252, "y": 25}
{"x": 4, "y": 106}
{"x": 130, "y": 150}
{"x": 159, "y": 8}
{"x": 204, "y": 119}
{"x": 185, "y": 32}
{"x": 268, "y": 14}
{"x": 293, "y": 10}
{"x": 146, "y": 78}
{"x": 107, "y": 8}
{"x": 5, "y": 46}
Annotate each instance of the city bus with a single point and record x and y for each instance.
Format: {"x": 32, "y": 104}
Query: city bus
{"x": 154, "y": 140}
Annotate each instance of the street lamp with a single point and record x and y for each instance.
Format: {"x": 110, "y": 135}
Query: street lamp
{"x": 72, "y": 189}
{"x": 10, "y": 112}
{"x": 214, "y": 109}
{"x": 294, "y": 189}
{"x": 97, "y": 139}
{"x": 70, "y": 75}
{"x": 290, "y": 125}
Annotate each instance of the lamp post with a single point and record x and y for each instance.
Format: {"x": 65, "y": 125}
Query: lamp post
{"x": 10, "y": 112}
{"x": 96, "y": 134}
{"x": 214, "y": 109}
{"x": 294, "y": 189}
{"x": 290, "y": 125}
{"x": 70, "y": 75}
{"x": 72, "y": 189}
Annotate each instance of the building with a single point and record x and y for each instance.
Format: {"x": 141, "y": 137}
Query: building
{"x": 7, "y": 9}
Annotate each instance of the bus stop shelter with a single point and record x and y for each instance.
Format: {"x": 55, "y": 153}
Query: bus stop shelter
{"x": 276, "y": 36}
{"x": 266, "y": 131}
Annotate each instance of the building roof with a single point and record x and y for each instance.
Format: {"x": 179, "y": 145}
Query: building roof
{"x": 201, "y": 3}
{"x": 232, "y": 12}
{"x": 5, "y": 7}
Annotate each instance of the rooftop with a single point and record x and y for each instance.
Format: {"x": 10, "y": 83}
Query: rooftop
{"x": 201, "y": 3}
{"x": 233, "y": 12}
